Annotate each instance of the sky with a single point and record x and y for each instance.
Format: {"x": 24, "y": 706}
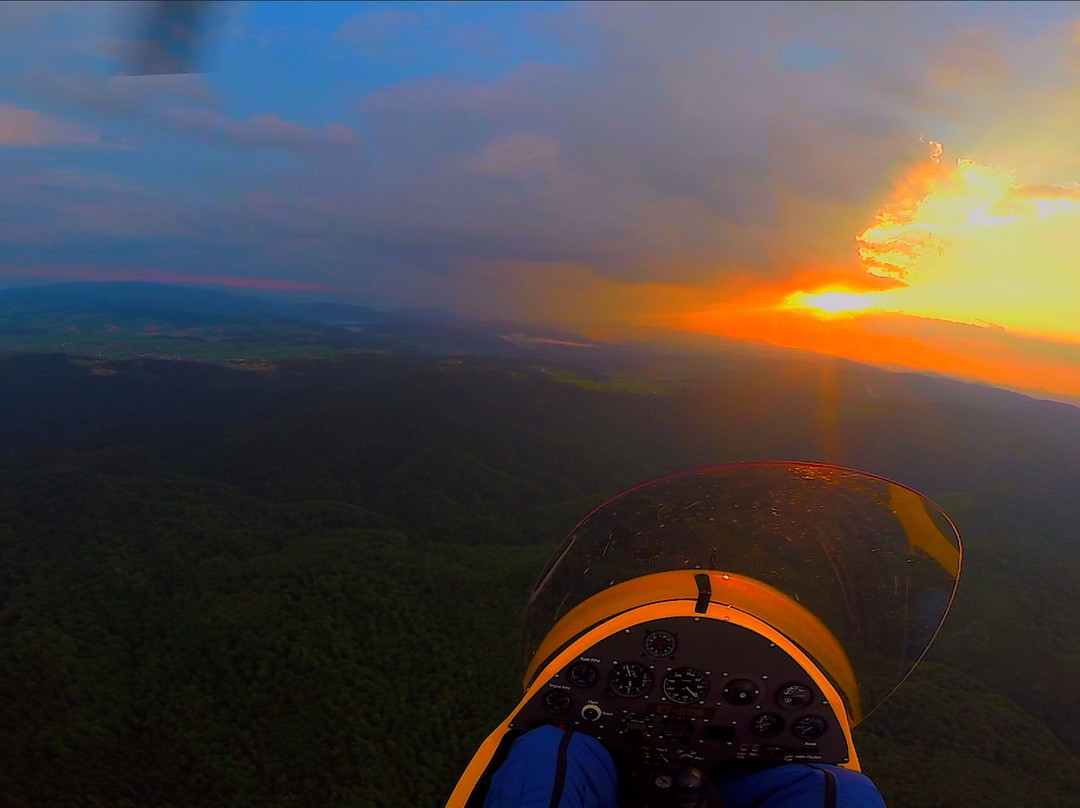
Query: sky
{"x": 891, "y": 183}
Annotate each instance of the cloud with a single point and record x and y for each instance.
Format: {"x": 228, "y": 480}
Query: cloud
{"x": 258, "y": 131}
{"x": 675, "y": 145}
{"x": 677, "y": 158}
{"x": 683, "y": 150}
{"x": 87, "y": 213}
{"x": 182, "y": 104}
{"x": 688, "y": 145}
{"x": 26, "y": 127}
{"x": 520, "y": 157}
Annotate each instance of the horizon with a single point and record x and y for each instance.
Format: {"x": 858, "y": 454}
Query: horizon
{"x": 893, "y": 185}
{"x": 679, "y": 342}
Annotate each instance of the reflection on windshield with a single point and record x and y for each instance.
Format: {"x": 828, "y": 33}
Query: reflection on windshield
{"x": 876, "y": 562}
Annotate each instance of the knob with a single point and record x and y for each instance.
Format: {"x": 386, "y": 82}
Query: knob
{"x": 590, "y": 712}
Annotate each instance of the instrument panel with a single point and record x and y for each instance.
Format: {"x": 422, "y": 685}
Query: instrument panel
{"x": 693, "y": 691}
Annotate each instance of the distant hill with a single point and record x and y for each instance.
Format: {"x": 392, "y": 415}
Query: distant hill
{"x": 117, "y": 320}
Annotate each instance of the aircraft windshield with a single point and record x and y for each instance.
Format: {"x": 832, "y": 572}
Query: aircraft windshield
{"x": 874, "y": 561}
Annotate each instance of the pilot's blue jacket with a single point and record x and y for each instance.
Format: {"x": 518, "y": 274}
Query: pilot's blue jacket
{"x": 550, "y": 768}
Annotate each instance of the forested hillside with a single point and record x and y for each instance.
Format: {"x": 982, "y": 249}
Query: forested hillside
{"x": 301, "y": 585}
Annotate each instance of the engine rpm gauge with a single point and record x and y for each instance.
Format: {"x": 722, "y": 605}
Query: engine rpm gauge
{"x": 660, "y": 643}
{"x": 630, "y": 679}
{"x": 557, "y": 701}
{"x": 686, "y": 685}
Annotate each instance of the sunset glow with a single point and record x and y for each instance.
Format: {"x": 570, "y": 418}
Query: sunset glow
{"x": 971, "y": 243}
{"x": 976, "y": 276}
{"x": 830, "y": 303}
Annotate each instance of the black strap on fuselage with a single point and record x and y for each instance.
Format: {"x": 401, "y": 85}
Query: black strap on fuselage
{"x": 704, "y": 593}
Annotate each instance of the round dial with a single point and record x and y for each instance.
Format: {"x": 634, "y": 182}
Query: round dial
{"x": 630, "y": 679}
{"x": 557, "y": 701}
{"x": 686, "y": 685}
{"x": 660, "y": 643}
{"x": 794, "y": 696}
{"x": 583, "y": 674}
{"x": 740, "y": 692}
{"x": 809, "y": 727}
{"x": 767, "y": 725}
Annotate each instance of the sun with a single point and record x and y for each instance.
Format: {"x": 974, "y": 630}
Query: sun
{"x": 831, "y": 303}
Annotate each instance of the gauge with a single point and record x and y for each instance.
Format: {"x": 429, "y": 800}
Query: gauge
{"x": 740, "y": 692}
{"x": 583, "y": 674}
{"x": 767, "y": 725}
{"x": 660, "y": 643}
{"x": 630, "y": 679}
{"x": 557, "y": 701}
{"x": 809, "y": 727}
{"x": 794, "y": 696}
{"x": 686, "y": 685}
